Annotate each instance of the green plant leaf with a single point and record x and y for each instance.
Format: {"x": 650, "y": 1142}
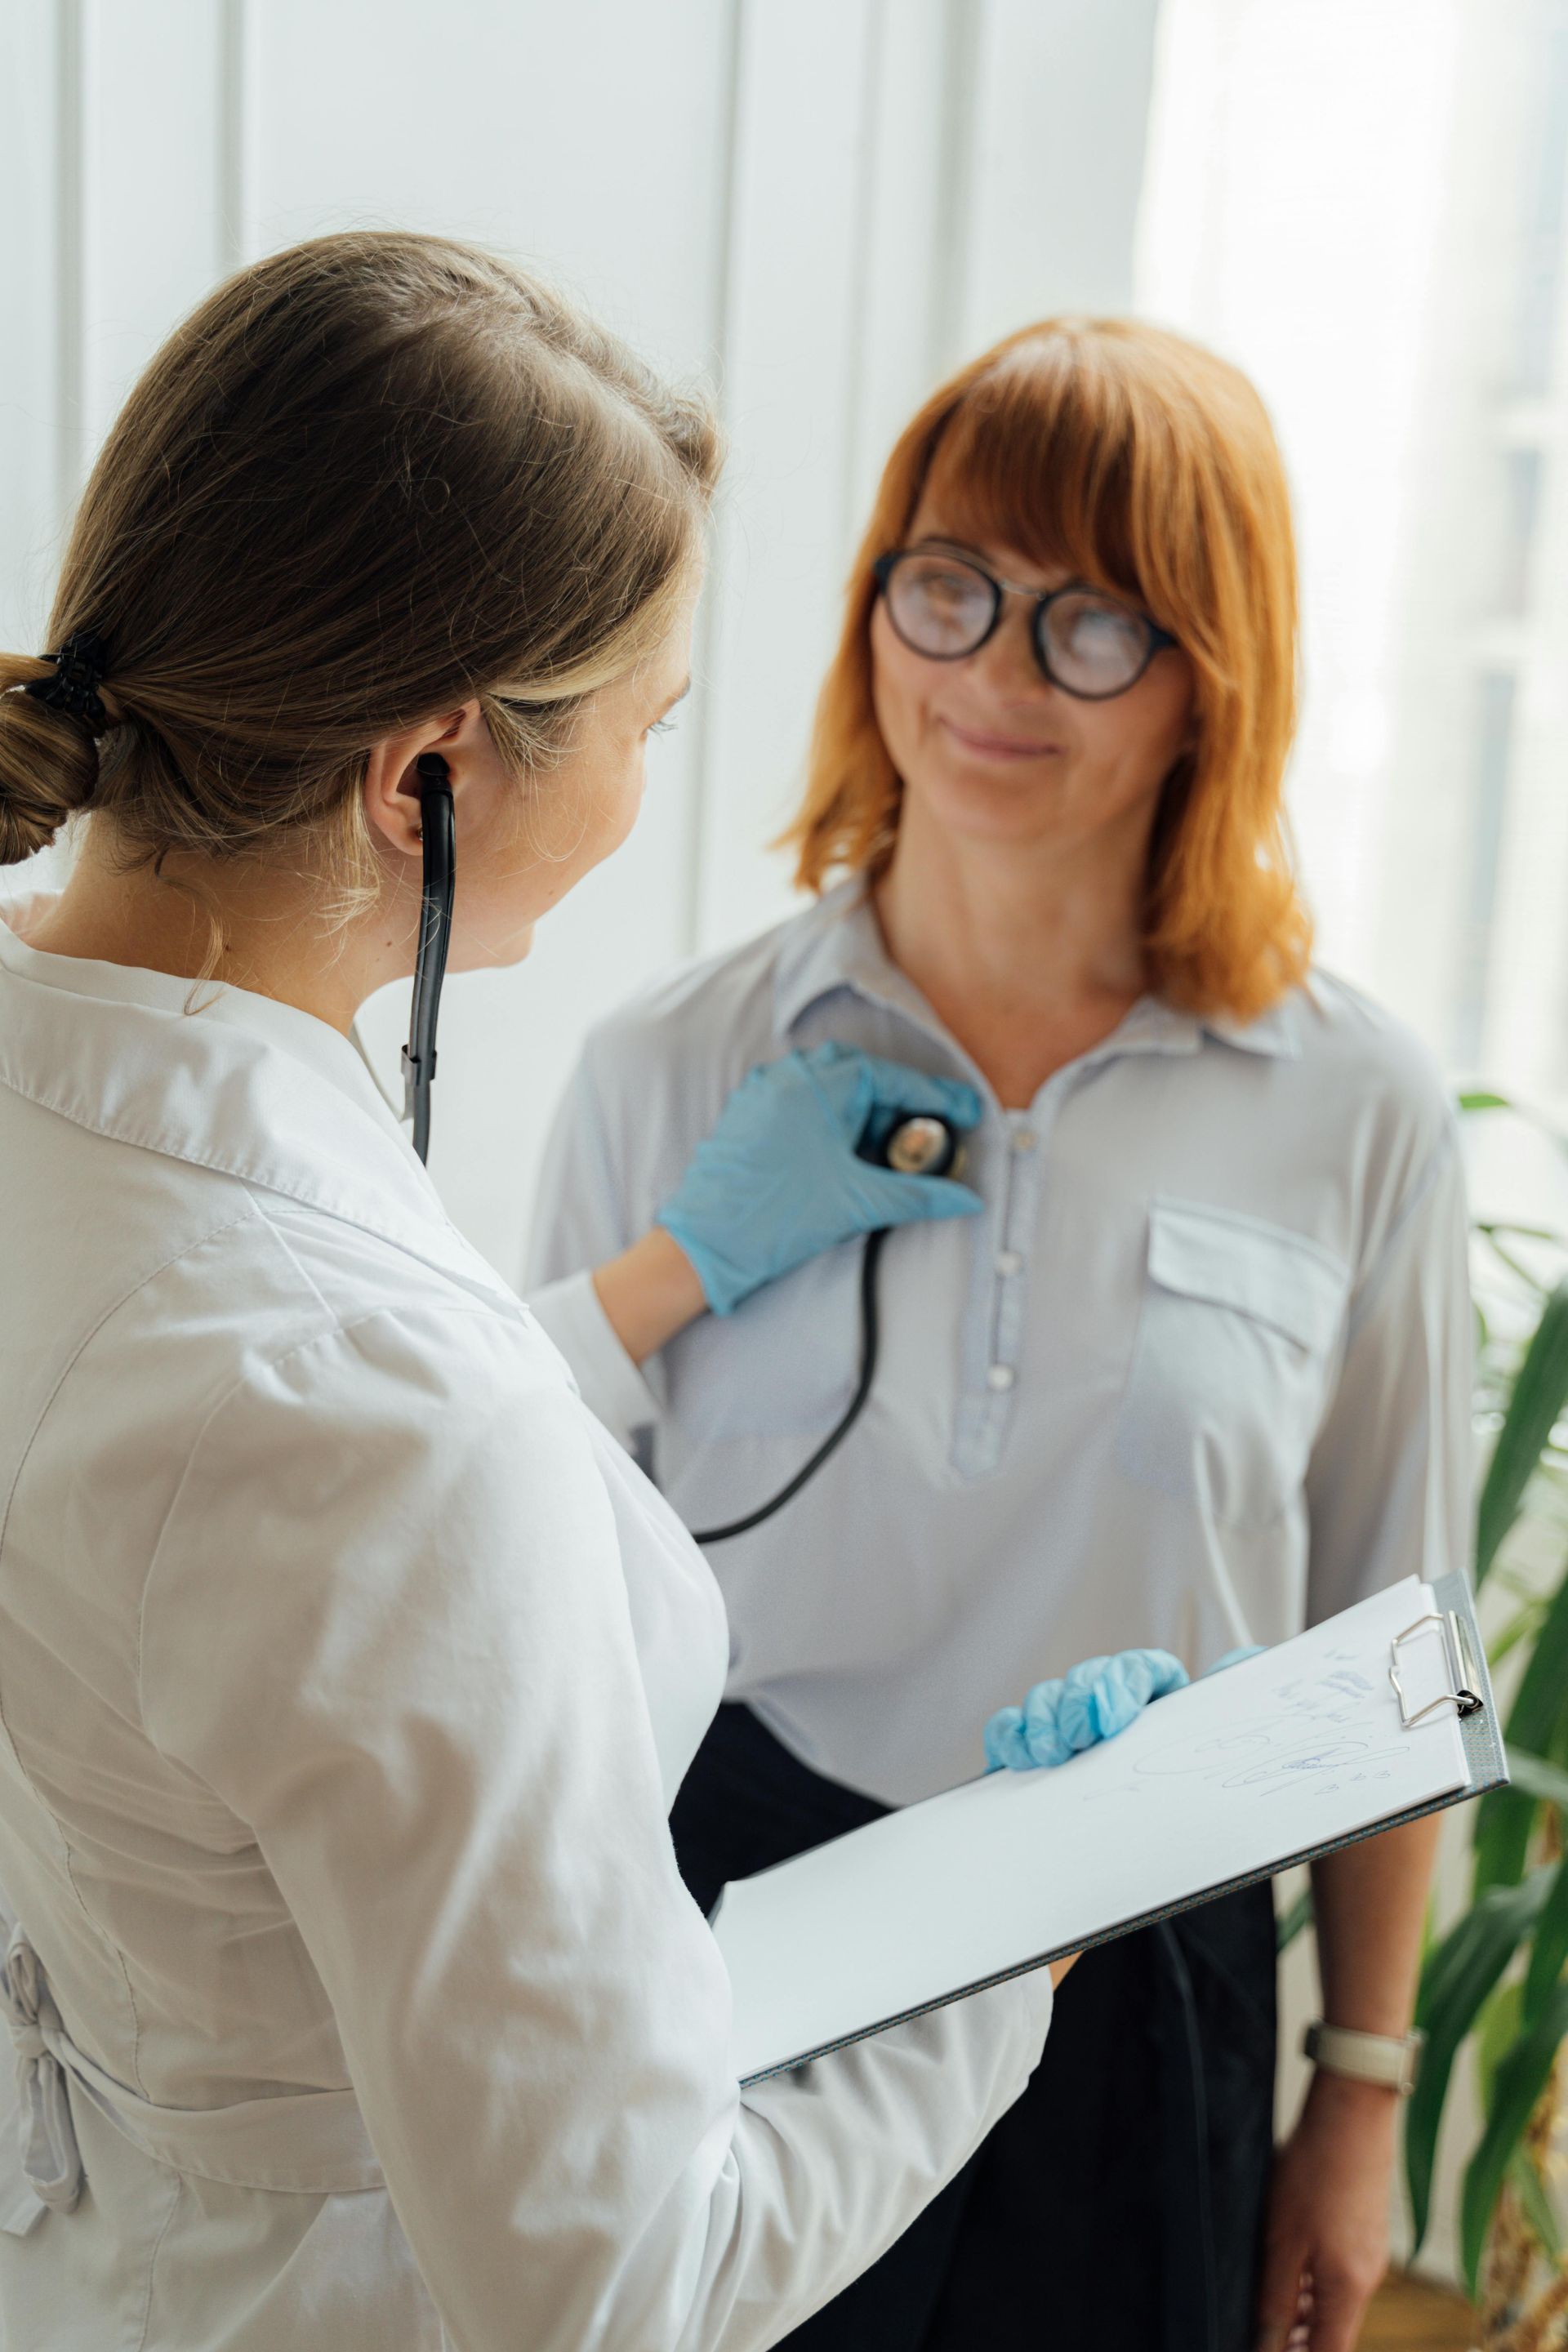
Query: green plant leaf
{"x": 1548, "y": 1783}
{"x": 1295, "y": 1921}
{"x": 1516, "y": 1266}
{"x": 1537, "y": 1722}
{"x": 1535, "y": 2204}
{"x": 1540, "y": 1394}
{"x": 1526, "y": 1621}
{"x": 1459, "y": 1978}
{"x": 1521, "y": 2079}
{"x": 1482, "y": 1098}
{"x": 1498, "y": 2030}
{"x": 1548, "y": 1951}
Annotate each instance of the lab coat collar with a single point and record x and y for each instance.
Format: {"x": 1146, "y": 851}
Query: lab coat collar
{"x": 224, "y": 1079}
{"x": 839, "y": 944}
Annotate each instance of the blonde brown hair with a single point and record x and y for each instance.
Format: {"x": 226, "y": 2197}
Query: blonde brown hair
{"x": 1148, "y": 466}
{"x": 369, "y": 479}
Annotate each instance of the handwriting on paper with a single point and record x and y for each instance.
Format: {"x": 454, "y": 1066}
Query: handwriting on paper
{"x": 1315, "y": 1732}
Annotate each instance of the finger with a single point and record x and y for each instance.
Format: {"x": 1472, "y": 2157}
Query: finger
{"x": 1044, "y": 1738}
{"x": 1077, "y": 1717}
{"x": 894, "y": 1086}
{"x": 920, "y": 1200}
{"x": 1132, "y": 1682}
{"x": 1129, "y": 1684}
{"x": 1282, "y": 2294}
{"x": 1339, "y": 2306}
{"x": 1007, "y": 1750}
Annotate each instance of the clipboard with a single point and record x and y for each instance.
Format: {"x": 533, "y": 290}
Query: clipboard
{"x": 1375, "y": 1717}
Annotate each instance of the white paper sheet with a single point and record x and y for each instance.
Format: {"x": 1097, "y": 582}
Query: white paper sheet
{"x": 1238, "y": 1774}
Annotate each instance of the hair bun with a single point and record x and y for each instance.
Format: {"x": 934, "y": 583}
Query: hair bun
{"x": 48, "y": 768}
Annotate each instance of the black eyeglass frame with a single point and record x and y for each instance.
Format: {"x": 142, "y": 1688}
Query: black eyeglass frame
{"x": 886, "y": 565}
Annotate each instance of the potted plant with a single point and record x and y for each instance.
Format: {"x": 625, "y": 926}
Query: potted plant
{"x": 1498, "y": 1976}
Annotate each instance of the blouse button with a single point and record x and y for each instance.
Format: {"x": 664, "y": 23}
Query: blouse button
{"x": 1000, "y": 1377}
{"x": 1024, "y": 1138}
{"x": 1008, "y": 1262}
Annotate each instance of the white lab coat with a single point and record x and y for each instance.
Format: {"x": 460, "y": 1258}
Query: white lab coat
{"x": 347, "y": 1670}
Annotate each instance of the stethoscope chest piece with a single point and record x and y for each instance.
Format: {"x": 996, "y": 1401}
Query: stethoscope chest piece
{"x": 923, "y": 1145}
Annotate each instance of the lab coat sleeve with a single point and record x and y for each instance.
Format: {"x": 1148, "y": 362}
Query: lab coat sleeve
{"x": 387, "y": 1624}
{"x": 580, "y": 1219}
{"x": 1388, "y": 1487}
{"x": 609, "y": 1382}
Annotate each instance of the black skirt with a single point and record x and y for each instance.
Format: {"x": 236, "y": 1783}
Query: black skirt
{"x": 1120, "y": 2202}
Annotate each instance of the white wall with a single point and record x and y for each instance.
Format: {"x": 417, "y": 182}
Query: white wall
{"x": 817, "y": 204}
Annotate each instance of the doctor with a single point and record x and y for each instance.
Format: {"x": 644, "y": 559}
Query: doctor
{"x": 347, "y": 1668}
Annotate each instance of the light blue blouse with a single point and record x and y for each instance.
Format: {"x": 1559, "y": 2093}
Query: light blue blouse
{"x": 1198, "y": 1375}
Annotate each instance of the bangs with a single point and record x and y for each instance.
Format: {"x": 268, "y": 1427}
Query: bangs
{"x": 1037, "y": 456}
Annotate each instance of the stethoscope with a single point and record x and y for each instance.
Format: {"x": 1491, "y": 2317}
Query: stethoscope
{"x": 920, "y": 1144}
{"x": 917, "y": 1144}
{"x": 438, "y": 878}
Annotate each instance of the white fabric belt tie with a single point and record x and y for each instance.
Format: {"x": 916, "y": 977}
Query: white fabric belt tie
{"x": 51, "y": 2164}
{"x": 310, "y": 2143}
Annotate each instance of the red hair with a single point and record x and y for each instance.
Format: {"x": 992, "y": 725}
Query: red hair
{"x": 1148, "y": 466}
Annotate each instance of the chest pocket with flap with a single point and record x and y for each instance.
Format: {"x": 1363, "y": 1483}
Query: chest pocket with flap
{"x": 1237, "y": 1330}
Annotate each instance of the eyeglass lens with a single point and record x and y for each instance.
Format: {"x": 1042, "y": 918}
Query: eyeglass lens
{"x": 943, "y": 608}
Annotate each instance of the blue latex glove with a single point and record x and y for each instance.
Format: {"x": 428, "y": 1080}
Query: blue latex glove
{"x": 779, "y": 1179}
{"x": 1099, "y": 1699}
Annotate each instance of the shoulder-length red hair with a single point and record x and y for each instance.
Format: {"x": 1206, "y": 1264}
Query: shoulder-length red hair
{"x": 1147, "y": 465}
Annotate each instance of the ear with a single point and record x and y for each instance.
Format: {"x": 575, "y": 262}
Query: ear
{"x": 391, "y": 795}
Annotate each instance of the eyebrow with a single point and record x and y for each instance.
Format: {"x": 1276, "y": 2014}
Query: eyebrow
{"x": 983, "y": 555}
{"x": 945, "y": 539}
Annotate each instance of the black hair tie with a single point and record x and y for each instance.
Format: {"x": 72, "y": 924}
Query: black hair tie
{"x": 80, "y": 666}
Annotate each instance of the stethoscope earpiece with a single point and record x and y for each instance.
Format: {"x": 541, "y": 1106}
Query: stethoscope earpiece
{"x": 438, "y": 833}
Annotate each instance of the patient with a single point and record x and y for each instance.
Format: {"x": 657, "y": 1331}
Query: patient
{"x": 1195, "y": 1375}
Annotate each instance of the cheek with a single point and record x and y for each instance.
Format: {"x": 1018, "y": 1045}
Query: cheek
{"x": 897, "y": 683}
{"x": 1136, "y": 739}
{"x": 624, "y": 799}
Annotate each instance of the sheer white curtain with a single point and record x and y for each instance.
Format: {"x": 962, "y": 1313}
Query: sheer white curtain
{"x": 1361, "y": 202}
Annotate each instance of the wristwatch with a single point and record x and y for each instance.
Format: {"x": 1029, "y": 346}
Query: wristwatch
{"x": 1391, "y": 2060}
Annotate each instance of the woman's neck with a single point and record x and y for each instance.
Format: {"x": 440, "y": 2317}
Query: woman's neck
{"x": 1029, "y": 960}
{"x": 272, "y": 940}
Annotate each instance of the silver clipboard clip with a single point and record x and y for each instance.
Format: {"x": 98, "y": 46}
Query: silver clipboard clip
{"x": 1464, "y": 1697}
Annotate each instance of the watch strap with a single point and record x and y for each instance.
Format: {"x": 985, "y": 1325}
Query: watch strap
{"x": 1391, "y": 2060}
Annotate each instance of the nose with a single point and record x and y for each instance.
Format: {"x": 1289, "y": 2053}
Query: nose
{"x": 1006, "y": 663}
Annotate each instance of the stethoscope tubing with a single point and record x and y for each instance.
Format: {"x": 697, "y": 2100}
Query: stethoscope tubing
{"x": 870, "y": 1340}
{"x": 438, "y": 886}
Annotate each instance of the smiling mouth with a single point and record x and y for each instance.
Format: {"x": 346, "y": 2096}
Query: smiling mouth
{"x": 984, "y": 745}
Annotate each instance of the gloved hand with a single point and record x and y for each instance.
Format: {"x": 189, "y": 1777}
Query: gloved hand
{"x": 1099, "y": 1699}
{"x": 779, "y": 1179}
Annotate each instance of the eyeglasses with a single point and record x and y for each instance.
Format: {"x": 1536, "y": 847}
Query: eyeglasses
{"x": 946, "y": 607}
